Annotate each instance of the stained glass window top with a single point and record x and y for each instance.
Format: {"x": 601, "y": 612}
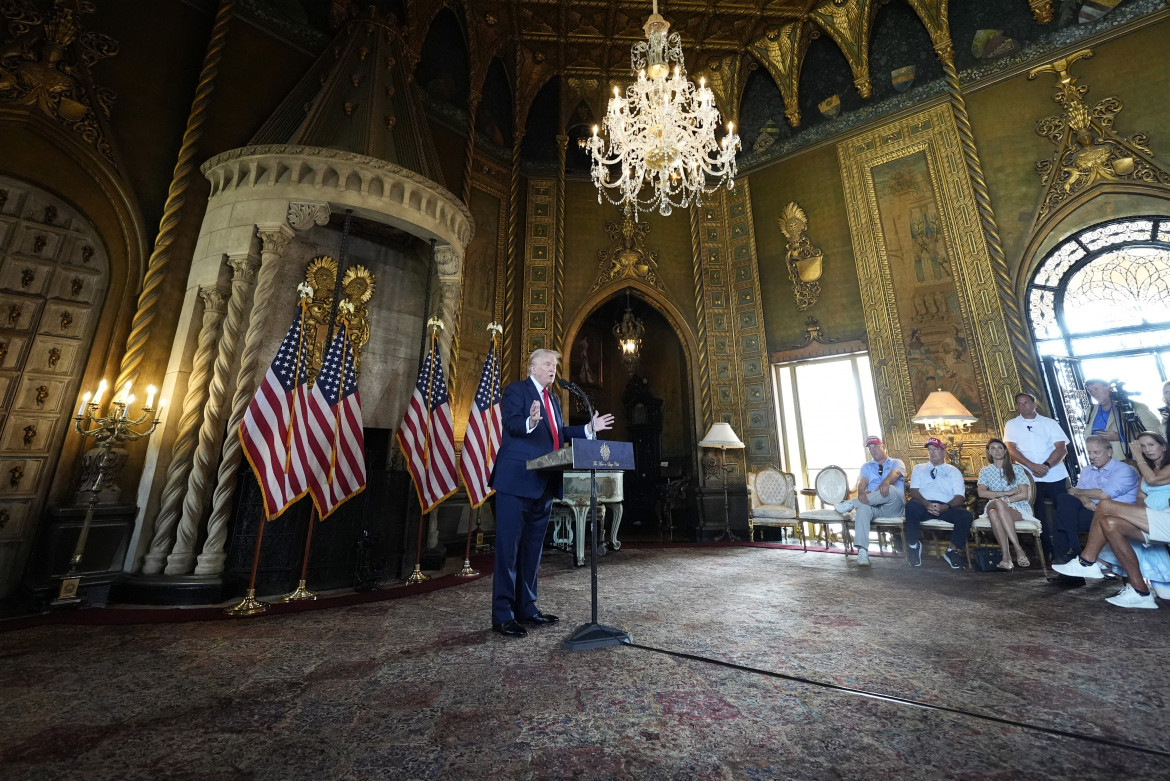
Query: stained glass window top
{"x": 1126, "y": 287}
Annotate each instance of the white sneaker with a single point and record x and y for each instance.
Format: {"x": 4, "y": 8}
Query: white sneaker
{"x": 862, "y": 557}
{"x": 845, "y": 507}
{"x": 1074, "y": 569}
{"x": 1127, "y": 597}
{"x": 1161, "y": 589}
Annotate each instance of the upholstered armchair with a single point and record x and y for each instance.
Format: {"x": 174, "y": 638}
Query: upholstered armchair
{"x": 773, "y": 502}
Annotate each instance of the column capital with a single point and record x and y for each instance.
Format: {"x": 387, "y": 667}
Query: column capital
{"x": 448, "y": 260}
{"x": 303, "y": 215}
{"x": 213, "y": 297}
{"x": 275, "y": 237}
{"x": 244, "y": 267}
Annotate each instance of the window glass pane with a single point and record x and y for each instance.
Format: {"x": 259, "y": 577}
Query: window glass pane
{"x": 1058, "y": 263}
{"x": 1096, "y": 345}
{"x": 873, "y": 424}
{"x": 1117, "y": 233}
{"x": 1127, "y": 287}
{"x": 1139, "y": 373}
{"x": 791, "y": 432}
{"x": 1042, "y": 311}
{"x": 1051, "y": 347}
{"x": 829, "y": 416}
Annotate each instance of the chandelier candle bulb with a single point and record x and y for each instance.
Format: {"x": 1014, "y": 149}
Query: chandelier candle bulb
{"x": 97, "y": 397}
{"x": 84, "y": 401}
{"x": 150, "y": 390}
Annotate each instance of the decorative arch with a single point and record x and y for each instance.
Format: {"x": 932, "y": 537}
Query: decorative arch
{"x": 661, "y": 304}
{"x": 1115, "y": 275}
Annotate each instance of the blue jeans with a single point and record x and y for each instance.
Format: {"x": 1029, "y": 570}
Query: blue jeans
{"x": 958, "y": 517}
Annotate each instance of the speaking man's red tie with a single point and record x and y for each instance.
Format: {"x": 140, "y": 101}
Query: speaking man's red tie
{"x": 552, "y": 421}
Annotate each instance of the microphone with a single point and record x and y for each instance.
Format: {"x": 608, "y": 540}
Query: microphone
{"x": 575, "y": 389}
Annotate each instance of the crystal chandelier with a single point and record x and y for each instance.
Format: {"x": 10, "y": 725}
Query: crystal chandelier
{"x": 662, "y": 133}
{"x": 629, "y": 333}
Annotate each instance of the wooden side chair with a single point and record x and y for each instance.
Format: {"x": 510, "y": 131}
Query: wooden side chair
{"x": 1029, "y": 524}
{"x": 773, "y": 502}
{"x": 832, "y": 487}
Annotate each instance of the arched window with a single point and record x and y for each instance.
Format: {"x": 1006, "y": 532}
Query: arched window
{"x": 1104, "y": 291}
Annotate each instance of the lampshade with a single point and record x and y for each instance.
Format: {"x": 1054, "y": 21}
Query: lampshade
{"x": 720, "y": 435}
{"x": 942, "y": 408}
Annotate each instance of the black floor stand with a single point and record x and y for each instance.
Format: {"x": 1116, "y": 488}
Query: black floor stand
{"x": 593, "y": 634}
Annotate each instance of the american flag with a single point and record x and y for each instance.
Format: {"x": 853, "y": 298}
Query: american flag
{"x": 265, "y": 430}
{"x": 426, "y": 435}
{"x": 327, "y": 438}
{"x": 482, "y": 441}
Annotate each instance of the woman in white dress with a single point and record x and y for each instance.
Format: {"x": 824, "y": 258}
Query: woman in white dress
{"x": 1004, "y": 483}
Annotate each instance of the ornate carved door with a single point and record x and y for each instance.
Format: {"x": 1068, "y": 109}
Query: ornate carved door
{"x": 53, "y": 279}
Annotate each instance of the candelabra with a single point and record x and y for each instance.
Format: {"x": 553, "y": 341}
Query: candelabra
{"x": 108, "y": 431}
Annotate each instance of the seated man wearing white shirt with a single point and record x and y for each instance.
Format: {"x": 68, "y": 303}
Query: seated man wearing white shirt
{"x": 937, "y": 491}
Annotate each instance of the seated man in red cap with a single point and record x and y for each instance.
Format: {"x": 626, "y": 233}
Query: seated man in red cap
{"x": 881, "y": 492}
{"x": 937, "y": 491}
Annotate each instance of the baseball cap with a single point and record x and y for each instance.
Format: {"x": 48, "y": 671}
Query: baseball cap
{"x": 872, "y": 440}
{"x": 936, "y": 442}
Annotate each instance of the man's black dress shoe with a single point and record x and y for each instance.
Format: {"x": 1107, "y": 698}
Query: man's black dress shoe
{"x": 540, "y": 619}
{"x": 1064, "y": 581}
{"x": 510, "y": 629}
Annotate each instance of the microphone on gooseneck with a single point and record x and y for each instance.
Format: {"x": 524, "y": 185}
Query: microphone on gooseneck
{"x": 575, "y": 389}
{"x": 566, "y": 384}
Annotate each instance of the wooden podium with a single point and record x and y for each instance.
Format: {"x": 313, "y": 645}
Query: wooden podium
{"x": 592, "y": 455}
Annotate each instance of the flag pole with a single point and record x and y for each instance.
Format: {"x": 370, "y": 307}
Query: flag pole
{"x": 249, "y": 605}
{"x": 468, "y": 571}
{"x": 301, "y": 592}
{"x": 435, "y": 324}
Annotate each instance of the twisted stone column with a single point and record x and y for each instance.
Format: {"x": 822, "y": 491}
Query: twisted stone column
{"x": 176, "y": 485}
{"x": 1018, "y": 331}
{"x": 469, "y": 158}
{"x": 449, "y": 269}
{"x": 558, "y": 314}
{"x": 701, "y": 319}
{"x": 276, "y": 239}
{"x": 509, "y": 280}
{"x": 211, "y": 430}
{"x": 185, "y": 166}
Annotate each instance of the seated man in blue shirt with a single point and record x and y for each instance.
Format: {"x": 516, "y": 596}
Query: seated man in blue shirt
{"x": 937, "y": 491}
{"x": 1104, "y": 478}
{"x": 881, "y": 492}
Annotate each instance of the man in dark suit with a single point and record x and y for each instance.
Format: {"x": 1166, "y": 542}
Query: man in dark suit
{"x": 533, "y": 426}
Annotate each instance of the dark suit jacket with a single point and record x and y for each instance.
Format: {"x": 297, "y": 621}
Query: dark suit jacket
{"x": 510, "y": 475}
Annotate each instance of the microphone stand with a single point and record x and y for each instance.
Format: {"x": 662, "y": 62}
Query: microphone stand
{"x": 593, "y": 634}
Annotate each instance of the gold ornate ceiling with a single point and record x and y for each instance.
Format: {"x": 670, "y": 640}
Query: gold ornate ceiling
{"x": 587, "y": 42}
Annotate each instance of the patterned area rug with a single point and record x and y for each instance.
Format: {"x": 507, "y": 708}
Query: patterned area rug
{"x": 419, "y": 688}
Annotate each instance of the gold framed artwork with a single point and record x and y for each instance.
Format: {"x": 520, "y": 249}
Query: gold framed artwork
{"x": 933, "y": 316}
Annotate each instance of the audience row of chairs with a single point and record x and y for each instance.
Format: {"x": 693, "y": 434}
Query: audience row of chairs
{"x": 774, "y": 502}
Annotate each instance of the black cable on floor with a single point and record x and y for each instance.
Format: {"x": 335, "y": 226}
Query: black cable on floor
{"x": 903, "y": 701}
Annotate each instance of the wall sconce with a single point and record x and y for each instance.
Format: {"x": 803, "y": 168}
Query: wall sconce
{"x": 629, "y": 333}
{"x": 944, "y": 414}
{"x": 722, "y": 436}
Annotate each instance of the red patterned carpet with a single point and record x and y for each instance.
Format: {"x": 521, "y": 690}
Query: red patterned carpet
{"x": 418, "y": 688}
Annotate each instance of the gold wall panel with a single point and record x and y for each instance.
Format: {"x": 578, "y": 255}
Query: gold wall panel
{"x": 539, "y": 269}
{"x": 932, "y": 311}
{"x": 735, "y": 380}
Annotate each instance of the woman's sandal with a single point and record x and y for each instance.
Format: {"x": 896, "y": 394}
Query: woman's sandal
{"x": 1022, "y": 561}
{"x": 1005, "y": 565}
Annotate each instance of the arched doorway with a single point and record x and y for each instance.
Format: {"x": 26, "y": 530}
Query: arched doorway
{"x": 651, "y": 399}
{"x": 1099, "y": 306}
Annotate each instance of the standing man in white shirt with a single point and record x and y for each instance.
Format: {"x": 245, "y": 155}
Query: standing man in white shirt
{"x": 937, "y": 491}
{"x": 881, "y": 492}
{"x": 1039, "y": 445}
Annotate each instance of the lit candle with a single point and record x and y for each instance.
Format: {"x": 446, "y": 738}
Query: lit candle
{"x": 161, "y": 403}
{"x": 150, "y": 396}
{"x": 125, "y": 395}
{"x": 101, "y": 389}
{"x": 84, "y": 401}
{"x": 126, "y": 403}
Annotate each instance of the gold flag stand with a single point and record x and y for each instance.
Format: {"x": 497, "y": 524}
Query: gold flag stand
{"x": 249, "y": 605}
{"x": 468, "y": 571}
{"x": 301, "y": 592}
